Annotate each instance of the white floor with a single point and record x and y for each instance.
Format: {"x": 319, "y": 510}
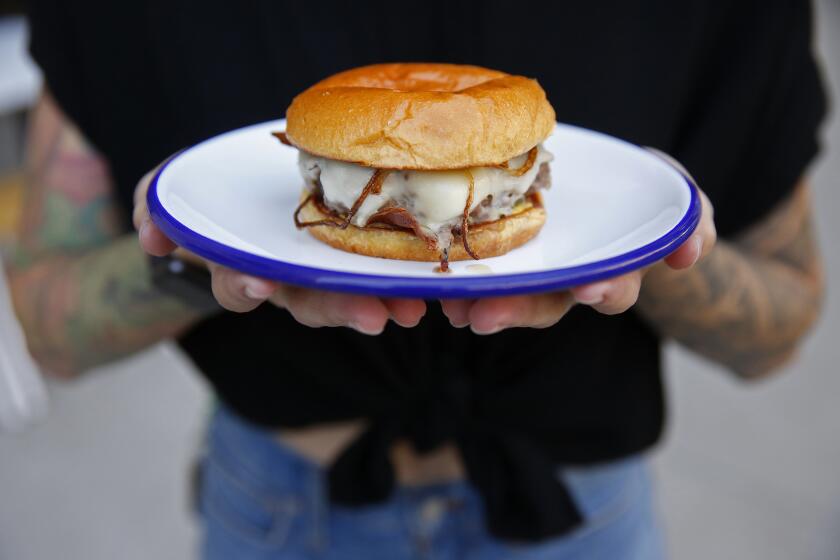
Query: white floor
{"x": 747, "y": 470}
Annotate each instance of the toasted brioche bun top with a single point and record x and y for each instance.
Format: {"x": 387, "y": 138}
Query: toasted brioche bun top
{"x": 420, "y": 116}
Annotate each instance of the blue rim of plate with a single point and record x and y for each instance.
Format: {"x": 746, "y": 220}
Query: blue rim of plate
{"x": 419, "y": 287}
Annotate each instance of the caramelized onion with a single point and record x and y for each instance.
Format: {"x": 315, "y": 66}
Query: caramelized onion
{"x": 400, "y": 218}
{"x": 374, "y": 185}
{"x": 300, "y": 225}
{"x": 466, "y": 216}
{"x": 524, "y": 168}
{"x": 396, "y": 216}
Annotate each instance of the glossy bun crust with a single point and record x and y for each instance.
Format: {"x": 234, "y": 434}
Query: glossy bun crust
{"x": 420, "y": 116}
{"x": 489, "y": 239}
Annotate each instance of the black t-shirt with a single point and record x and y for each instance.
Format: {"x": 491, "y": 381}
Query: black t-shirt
{"x": 729, "y": 88}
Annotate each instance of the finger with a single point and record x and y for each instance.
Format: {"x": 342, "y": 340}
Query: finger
{"x": 613, "y": 296}
{"x": 405, "y": 312}
{"x": 457, "y": 311}
{"x": 703, "y": 239}
{"x": 315, "y": 308}
{"x": 141, "y": 211}
{"x": 491, "y": 315}
{"x": 239, "y": 292}
{"x": 153, "y": 241}
{"x": 708, "y": 231}
{"x": 686, "y": 254}
{"x": 699, "y": 243}
{"x": 140, "y": 214}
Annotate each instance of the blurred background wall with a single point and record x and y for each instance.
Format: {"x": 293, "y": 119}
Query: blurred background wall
{"x": 746, "y": 470}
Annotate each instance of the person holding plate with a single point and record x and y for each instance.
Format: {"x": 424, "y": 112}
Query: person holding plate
{"x": 505, "y": 427}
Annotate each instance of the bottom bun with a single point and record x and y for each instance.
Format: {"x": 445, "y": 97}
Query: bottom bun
{"x": 489, "y": 239}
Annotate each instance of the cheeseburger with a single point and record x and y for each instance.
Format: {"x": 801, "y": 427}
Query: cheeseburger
{"x": 427, "y": 162}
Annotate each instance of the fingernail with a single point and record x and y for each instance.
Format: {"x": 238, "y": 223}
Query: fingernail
{"x": 592, "y": 295}
{"x": 143, "y": 227}
{"x": 257, "y": 290}
{"x": 698, "y": 243}
{"x": 458, "y": 325}
{"x": 405, "y": 325}
{"x": 365, "y": 330}
{"x": 250, "y": 293}
{"x": 492, "y": 330}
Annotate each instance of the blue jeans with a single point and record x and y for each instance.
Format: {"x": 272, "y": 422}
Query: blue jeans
{"x": 259, "y": 501}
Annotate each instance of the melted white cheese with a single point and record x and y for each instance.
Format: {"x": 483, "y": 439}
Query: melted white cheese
{"x": 435, "y": 198}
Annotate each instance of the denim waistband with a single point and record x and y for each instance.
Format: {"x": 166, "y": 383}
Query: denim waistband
{"x": 280, "y": 468}
{"x": 275, "y": 465}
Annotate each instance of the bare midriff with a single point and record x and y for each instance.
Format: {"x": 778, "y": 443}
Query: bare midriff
{"x": 322, "y": 444}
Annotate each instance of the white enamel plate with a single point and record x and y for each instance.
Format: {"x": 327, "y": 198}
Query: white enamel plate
{"x": 612, "y": 207}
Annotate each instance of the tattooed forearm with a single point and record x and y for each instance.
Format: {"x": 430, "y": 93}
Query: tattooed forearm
{"x": 83, "y": 310}
{"x": 787, "y": 235}
{"x": 80, "y": 286}
{"x": 68, "y": 204}
{"x": 743, "y": 311}
{"x": 750, "y": 301}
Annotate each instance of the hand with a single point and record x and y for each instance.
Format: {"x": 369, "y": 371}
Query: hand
{"x": 236, "y": 291}
{"x": 612, "y": 296}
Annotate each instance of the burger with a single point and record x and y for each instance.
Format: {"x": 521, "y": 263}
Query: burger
{"x": 425, "y": 162}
